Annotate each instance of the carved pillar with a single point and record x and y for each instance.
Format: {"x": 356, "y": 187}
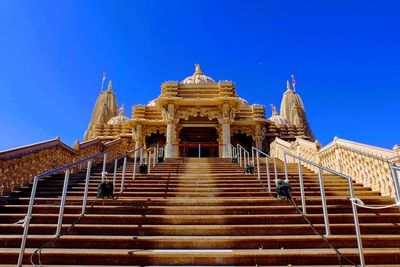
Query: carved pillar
{"x": 225, "y": 119}
{"x": 259, "y": 137}
{"x": 226, "y": 139}
{"x": 137, "y": 136}
{"x": 169, "y": 114}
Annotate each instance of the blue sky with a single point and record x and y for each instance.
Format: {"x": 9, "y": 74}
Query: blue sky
{"x": 345, "y": 56}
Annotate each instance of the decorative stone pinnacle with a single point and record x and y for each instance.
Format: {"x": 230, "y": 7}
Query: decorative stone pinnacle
{"x": 197, "y": 69}
{"x": 288, "y": 85}
{"x": 274, "y": 112}
{"x": 109, "y": 88}
{"x": 396, "y": 148}
{"x": 122, "y": 110}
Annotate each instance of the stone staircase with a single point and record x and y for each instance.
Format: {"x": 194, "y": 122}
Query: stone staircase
{"x": 198, "y": 212}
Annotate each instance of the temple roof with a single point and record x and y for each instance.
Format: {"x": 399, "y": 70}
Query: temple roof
{"x": 198, "y": 77}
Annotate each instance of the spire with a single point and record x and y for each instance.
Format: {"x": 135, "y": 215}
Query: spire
{"x": 197, "y": 70}
{"x": 109, "y": 88}
{"x": 274, "y": 112}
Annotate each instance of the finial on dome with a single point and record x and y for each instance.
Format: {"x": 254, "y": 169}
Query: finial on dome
{"x": 109, "y": 88}
{"x": 288, "y": 85}
{"x": 197, "y": 69}
{"x": 274, "y": 112}
{"x": 121, "y": 110}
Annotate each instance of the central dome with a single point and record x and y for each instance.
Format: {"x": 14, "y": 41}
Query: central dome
{"x": 198, "y": 77}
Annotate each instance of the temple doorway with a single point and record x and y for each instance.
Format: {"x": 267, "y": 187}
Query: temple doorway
{"x": 242, "y": 139}
{"x": 156, "y": 139}
{"x": 195, "y": 140}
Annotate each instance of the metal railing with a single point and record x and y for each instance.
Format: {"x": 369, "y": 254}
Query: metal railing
{"x": 36, "y": 179}
{"x": 243, "y": 156}
{"x": 67, "y": 167}
{"x": 323, "y": 199}
{"x": 267, "y": 159}
{"x": 232, "y": 151}
{"x": 395, "y": 169}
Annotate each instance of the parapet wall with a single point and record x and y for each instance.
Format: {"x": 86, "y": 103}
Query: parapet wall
{"x": 366, "y": 164}
{"x": 19, "y": 166}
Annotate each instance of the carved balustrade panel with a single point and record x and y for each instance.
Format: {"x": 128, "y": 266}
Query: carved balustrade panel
{"x": 361, "y": 162}
{"x": 18, "y": 167}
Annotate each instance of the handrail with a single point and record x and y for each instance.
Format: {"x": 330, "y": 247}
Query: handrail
{"x": 241, "y": 149}
{"x": 36, "y": 179}
{"x": 323, "y": 199}
{"x": 395, "y": 169}
{"x": 267, "y": 167}
{"x": 232, "y": 151}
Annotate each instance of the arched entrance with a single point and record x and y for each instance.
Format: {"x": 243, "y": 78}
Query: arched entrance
{"x": 192, "y": 137}
{"x": 155, "y": 139}
{"x": 242, "y": 139}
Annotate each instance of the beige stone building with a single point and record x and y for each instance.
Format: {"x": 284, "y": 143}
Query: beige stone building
{"x": 199, "y": 111}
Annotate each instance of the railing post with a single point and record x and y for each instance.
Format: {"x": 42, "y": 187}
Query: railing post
{"x": 199, "y": 150}
{"x": 27, "y": 221}
{"x": 276, "y": 173}
{"x": 303, "y": 198}
{"x": 148, "y": 156}
{"x": 268, "y": 174}
{"x": 115, "y": 172}
{"x": 356, "y": 223}
{"x": 323, "y": 199}
{"x": 154, "y": 158}
{"x": 62, "y": 204}
{"x": 134, "y": 165}
{"x": 252, "y": 154}
{"x": 104, "y": 163}
{"x": 396, "y": 183}
{"x": 141, "y": 156}
{"x": 85, "y": 193}
{"x": 240, "y": 155}
{"x": 258, "y": 166}
{"x": 285, "y": 167}
{"x": 123, "y": 175}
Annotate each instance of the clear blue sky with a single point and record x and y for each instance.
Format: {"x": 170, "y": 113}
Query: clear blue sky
{"x": 345, "y": 56}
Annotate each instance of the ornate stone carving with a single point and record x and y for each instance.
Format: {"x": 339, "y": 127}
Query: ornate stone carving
{"x": 364, "y": 164}
{"x": 248, "y": 130}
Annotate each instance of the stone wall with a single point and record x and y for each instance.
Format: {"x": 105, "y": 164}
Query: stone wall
{"x": 365, "y": 164}
{"x": 19, "y": 166}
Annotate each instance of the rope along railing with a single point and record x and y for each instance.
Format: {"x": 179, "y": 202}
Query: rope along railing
{"x": 267, "y": 161}
{"x": 323, "y": 198}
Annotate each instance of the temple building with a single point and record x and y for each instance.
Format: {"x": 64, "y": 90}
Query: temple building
{"x": 199, "y": 111}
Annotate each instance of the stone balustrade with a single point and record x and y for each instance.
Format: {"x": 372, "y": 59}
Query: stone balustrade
{"x": 366, "y": 164}
{"x": 19, "y": 166}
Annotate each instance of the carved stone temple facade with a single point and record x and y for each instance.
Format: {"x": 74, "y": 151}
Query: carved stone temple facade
{"x": 196, "y": 111}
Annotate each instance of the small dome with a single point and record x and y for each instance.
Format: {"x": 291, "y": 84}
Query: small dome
{"x": 198, "y": 77}
{"x": 152, "y": 103}
{"x": 243, "y": 103}
{"x": 276, "y": 118}
{"x": 120, "y": 119}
